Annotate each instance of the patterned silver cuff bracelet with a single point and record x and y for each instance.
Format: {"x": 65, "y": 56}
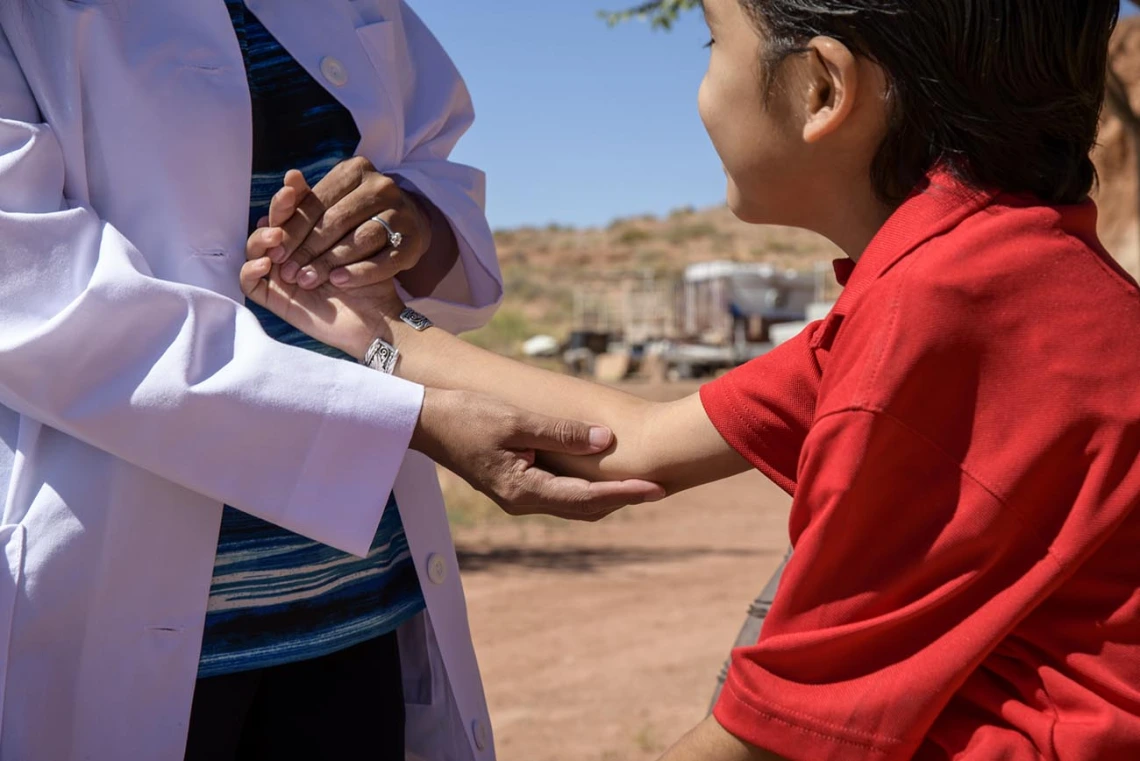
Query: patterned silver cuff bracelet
{"x": 382, "y": 356}
{"x": 415, "y": 319}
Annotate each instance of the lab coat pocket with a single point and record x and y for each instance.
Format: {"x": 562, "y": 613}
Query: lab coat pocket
{"x": 416, "y": 663}
{"x": 12, "y": 541}
{"x": 435, "y": 728}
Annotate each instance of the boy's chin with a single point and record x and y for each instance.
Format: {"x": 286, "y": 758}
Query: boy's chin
{"x": 746, "y": 210}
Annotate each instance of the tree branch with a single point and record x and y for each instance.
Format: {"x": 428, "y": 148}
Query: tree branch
{"x": 661, "y": 14}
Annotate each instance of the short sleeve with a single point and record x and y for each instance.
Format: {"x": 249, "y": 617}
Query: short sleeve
{"x": 907, "y": 573}
{"x": 764, "y": 408}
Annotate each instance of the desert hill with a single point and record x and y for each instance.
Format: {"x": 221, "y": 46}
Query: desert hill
{"x": 543, "y": 267}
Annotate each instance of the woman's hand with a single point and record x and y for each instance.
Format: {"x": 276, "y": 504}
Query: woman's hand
{"x": 493, "y": 446}
{"x": 328, "y": 232}
{"x": 349, "y": 317}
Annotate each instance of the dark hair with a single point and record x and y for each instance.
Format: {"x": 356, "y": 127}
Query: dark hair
{"x": 1005, "y": 93}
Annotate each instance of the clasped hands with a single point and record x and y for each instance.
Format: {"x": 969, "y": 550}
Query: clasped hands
{"x": 320, "y": 261}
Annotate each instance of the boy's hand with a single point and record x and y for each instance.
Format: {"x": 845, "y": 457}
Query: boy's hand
{"x": 327, "y": 233}
{"x": 350, "y": 319}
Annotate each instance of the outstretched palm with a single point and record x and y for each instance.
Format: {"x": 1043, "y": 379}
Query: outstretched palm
{"x": 346, "y": 319}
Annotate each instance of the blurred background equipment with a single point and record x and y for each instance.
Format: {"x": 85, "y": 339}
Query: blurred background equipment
{"x": 713, "y": 316}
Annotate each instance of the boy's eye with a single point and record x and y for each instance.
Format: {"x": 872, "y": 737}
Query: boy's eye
{"x": 709, "y": 44}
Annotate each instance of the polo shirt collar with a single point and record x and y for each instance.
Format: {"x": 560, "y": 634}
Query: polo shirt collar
{"x": 939, "y": 203}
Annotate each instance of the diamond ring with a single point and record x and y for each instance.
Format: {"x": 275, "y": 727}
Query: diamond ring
{"x": 394, "y": 238}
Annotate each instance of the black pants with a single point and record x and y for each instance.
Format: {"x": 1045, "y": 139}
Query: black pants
{"x": 346, "y": 705}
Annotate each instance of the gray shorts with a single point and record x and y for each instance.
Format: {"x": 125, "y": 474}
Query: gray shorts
{"x": 750, "y": 632}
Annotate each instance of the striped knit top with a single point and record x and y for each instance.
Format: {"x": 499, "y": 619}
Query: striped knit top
{"x": 278, "y": 597}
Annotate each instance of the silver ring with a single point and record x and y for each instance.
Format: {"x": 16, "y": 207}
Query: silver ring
{"x": 394, "y": 238}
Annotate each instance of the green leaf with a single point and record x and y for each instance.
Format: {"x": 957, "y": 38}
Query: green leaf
{"x": 661, "y": 14}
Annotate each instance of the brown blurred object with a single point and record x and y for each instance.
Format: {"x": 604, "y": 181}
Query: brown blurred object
{"x": 611, "y": 367}
{"x": 1116, "y": 156}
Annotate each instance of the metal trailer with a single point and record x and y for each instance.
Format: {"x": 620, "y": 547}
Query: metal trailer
{"x": 714, "y": 316}
{"x": 723, "y": 303}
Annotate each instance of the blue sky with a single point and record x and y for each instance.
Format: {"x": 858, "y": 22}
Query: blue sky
{"x": 579, "y": 123}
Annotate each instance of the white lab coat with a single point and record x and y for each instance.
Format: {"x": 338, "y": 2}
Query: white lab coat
{"x": 137, "y": 395}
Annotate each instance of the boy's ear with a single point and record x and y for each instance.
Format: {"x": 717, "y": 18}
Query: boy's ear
{"x": 832, "y": 85}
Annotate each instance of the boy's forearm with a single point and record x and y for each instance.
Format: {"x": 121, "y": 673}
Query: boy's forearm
{"x": 709, "y": 741}
{"x": 677, "y": 448}
{"x": 671, "y": 444}
{"x": 437, "y": 359}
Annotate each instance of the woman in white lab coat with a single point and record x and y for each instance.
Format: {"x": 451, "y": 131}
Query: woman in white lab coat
{"x": 138, "y": 396}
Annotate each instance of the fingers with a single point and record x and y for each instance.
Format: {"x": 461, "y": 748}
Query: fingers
{"x": 253, "y": 280}
{"x": 281, "y": 209}
{"x": 577, "y": 499}
{"x": 300, "y": 208}
{"x": 345, "y": 197}
{"x": 294, "y": 179}
{"x": 534, "y": 431}
{"x": 309, "y": 312}
{"x": 265, "y": 241}
{"x": 367, "y": 273}
{"x": 306, "y": 215}
{"x": 283, "y": 204}
{"x": 365, "y": 249}
{"x": 385, "y": 265}
{"x": 378, "y": 194}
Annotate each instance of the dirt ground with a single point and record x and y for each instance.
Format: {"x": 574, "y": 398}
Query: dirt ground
{"x": 602, "y": 642}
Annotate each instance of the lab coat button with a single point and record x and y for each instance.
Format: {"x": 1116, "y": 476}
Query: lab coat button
{"x": 437, "y": 569}
{"x": 479, "y": 730}
{"x": 334, "y": 71}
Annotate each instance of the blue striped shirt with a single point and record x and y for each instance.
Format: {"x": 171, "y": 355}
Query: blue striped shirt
{"x": 278, "y": 597}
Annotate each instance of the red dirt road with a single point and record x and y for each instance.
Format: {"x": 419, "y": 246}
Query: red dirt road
{"x": 602, "y": 642}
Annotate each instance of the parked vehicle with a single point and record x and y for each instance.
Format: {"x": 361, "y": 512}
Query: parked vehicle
{"x": 714, "y": 316}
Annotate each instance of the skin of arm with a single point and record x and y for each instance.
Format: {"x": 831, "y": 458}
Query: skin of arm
{"x": 442, "y": 252}
{"x": 672, "y": 444}
{"x": 709, "y": 741}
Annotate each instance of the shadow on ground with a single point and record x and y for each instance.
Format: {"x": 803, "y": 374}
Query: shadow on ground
{"x": 588, "y": 559}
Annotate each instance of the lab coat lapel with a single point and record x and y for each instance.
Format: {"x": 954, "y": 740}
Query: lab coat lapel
{"x": 324, "y": 39}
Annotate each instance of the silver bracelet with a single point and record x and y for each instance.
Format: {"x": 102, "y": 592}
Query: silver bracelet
{"x": 382, "y": 356}
{"x": 415, "y": 319}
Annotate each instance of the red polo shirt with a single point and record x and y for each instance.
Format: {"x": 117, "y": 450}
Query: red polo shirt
{"x": 962, "y": 438}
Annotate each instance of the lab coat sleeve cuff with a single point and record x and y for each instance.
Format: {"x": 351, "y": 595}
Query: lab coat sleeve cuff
{"x": 352, "y": 463}
{"x": 457, "y": 191}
